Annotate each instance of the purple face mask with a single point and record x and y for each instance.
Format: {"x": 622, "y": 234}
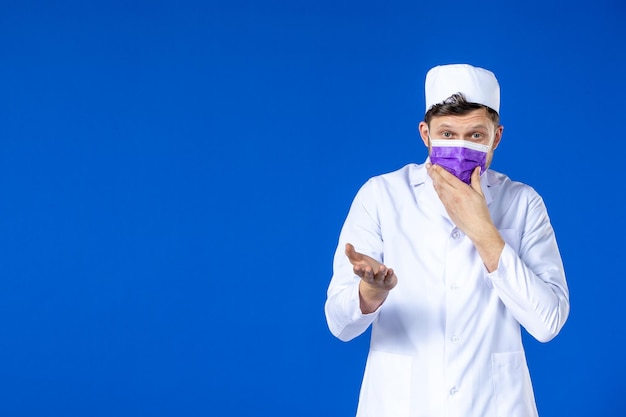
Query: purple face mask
{"x": 459, "y": 157}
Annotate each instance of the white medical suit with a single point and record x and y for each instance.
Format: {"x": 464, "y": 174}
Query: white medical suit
{"x": 447, "y": 340}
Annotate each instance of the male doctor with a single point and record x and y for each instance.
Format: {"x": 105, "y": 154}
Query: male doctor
{"x": 446, "y": 260}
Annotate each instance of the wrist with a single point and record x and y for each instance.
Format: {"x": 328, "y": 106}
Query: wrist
{"x": 489, "y": 246}
{"x": 371, "y": 298}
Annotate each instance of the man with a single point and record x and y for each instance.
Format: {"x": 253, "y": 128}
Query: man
{"x": 446, "y": 260}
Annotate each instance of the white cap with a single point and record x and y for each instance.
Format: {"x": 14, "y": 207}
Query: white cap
{"x": 478, "y": 85}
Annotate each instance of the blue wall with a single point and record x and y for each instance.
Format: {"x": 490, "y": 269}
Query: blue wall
{"x": 174, "y": 175}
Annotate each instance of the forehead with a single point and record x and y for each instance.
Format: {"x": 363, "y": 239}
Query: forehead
{"x": 473, "y": 120}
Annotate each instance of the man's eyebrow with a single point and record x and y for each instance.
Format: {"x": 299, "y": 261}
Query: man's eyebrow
{"x": 451, "y": 126}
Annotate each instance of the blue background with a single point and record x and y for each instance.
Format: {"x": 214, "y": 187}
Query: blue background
{"x": 174, "y": 176}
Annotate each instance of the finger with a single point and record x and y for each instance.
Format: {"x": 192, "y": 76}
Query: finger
{"x": 390, "y": 276}
{"x": 363, "y": 261}
{"x": 360, "y": 272}
{"x": 364, "y": 272}
{"x": 440, "y": 176}
{"x": 442, "y": 187}
{"x": 475, "y": 180}
{"x": 432, "y": 170}
{"x": 388, "y": 273}
{"x": 385, "y": 278}
{"x": 368, "y": 275}
{"x": 380, "y": 275}
{"x": 385, "y": 274}
{"x": 352, "y": 254}
{"x": 449, "y": 178}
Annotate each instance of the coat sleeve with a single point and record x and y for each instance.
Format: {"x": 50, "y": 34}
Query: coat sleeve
{"x": 530, "y": 279}
{"x": 362, "y": 229}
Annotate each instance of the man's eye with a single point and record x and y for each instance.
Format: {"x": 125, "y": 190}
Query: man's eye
{"x": 446, "y": 134}
{"x": 477, "y": 136}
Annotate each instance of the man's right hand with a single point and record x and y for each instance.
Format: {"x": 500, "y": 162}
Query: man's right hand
{"x": 376, "y": 279}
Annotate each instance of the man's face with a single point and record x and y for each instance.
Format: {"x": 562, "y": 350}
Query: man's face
{"x": 475, "y": 126}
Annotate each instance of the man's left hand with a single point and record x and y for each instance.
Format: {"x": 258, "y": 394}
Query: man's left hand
{"x": 468, "y": 209}
{"x": 465, "y": 204}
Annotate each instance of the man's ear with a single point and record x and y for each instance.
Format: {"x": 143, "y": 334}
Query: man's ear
{"x": 423, "y": 129}
{"x": 498, "y": 137}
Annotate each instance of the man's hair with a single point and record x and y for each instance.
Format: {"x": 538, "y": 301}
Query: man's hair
{"x": 456, "y": 104}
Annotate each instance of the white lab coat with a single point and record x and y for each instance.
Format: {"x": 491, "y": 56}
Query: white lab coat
{"x": 447, "y": 340}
